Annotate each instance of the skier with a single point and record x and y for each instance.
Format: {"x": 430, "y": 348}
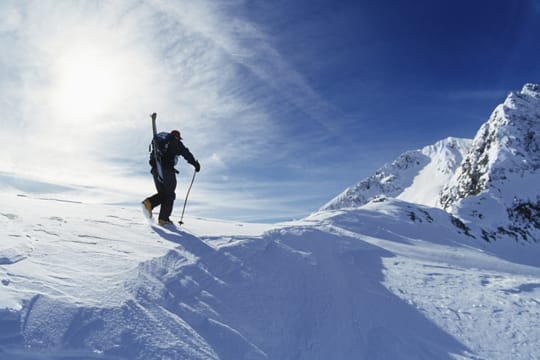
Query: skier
{"x": 167, "y": 185}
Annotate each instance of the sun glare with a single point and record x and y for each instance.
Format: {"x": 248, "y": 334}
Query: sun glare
{"x": 88, "y": 82}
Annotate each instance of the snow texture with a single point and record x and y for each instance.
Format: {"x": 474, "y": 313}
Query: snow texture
{"x": 408, "y": 264}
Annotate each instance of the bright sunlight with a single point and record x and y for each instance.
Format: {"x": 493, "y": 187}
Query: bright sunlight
{"x": 88, "y": 82}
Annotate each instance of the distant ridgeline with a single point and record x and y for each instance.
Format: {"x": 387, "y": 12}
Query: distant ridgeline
{"x": 490, "y": 185}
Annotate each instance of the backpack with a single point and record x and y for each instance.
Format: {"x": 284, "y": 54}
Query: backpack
{"x": 161, "y": 144}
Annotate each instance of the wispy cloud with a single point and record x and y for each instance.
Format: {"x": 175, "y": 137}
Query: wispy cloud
{"x": 476, "y": 95}
{"x": 247, "y": 45}
{"x": 80, "y": 79}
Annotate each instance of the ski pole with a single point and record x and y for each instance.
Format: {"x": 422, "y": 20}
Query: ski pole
{"x": 187, "y": 194}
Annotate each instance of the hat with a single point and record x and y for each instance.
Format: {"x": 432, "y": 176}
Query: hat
{"x": 176, "y": 134}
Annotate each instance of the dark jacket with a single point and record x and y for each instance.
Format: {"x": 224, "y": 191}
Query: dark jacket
{"x": 176, "y": 148}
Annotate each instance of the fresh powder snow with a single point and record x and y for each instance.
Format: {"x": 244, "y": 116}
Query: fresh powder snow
{"x": 389, "y": 280}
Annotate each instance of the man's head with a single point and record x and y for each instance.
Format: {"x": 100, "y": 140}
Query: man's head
{"x": 176, "y": 134}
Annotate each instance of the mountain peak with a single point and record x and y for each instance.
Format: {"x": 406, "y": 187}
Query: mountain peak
{"x": 527, "y": 98}
{"x": 500, "y": 174}
{"x": 491, "y": 181}
{"x": 507, "y": 144}
{"x": 531, "y": 89}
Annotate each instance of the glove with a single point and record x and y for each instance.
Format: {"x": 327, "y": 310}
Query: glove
{"x": 197, "y": 166}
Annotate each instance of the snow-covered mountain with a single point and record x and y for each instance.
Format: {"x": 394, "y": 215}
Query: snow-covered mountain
{"x": 380, "y": 272}
{"x": 497, "y": 186}
{"x": 491, "y": 183}
{"x": 417, "y": 176}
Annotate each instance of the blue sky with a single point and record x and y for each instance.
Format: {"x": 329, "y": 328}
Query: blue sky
{"x": 285, "y": 103}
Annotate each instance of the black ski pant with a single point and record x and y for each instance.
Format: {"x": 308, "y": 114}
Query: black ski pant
{"x": 165, "y": 192}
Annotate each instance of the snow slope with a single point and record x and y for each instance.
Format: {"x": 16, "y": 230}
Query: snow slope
{"x": 384, "y": 281}
{"x": 444, "y": 158}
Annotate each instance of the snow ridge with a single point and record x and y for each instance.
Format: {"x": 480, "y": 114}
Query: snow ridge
{"x": 382, "y": 281}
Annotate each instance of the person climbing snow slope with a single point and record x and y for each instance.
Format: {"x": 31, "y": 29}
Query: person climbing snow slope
{"x": 164, "y": 173}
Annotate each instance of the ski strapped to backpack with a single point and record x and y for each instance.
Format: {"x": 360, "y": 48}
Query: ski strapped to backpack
{"x": 157, "y": 148}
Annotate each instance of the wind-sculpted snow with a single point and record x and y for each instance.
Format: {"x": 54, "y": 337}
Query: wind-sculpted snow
{"x": 384, "y": 281}
{"x": 295, "y": 293}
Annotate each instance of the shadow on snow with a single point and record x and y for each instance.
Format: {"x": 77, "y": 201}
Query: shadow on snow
{"x": 296, "y": 293}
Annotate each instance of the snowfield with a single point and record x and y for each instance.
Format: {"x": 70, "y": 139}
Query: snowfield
{"x": 390, "y": 280}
